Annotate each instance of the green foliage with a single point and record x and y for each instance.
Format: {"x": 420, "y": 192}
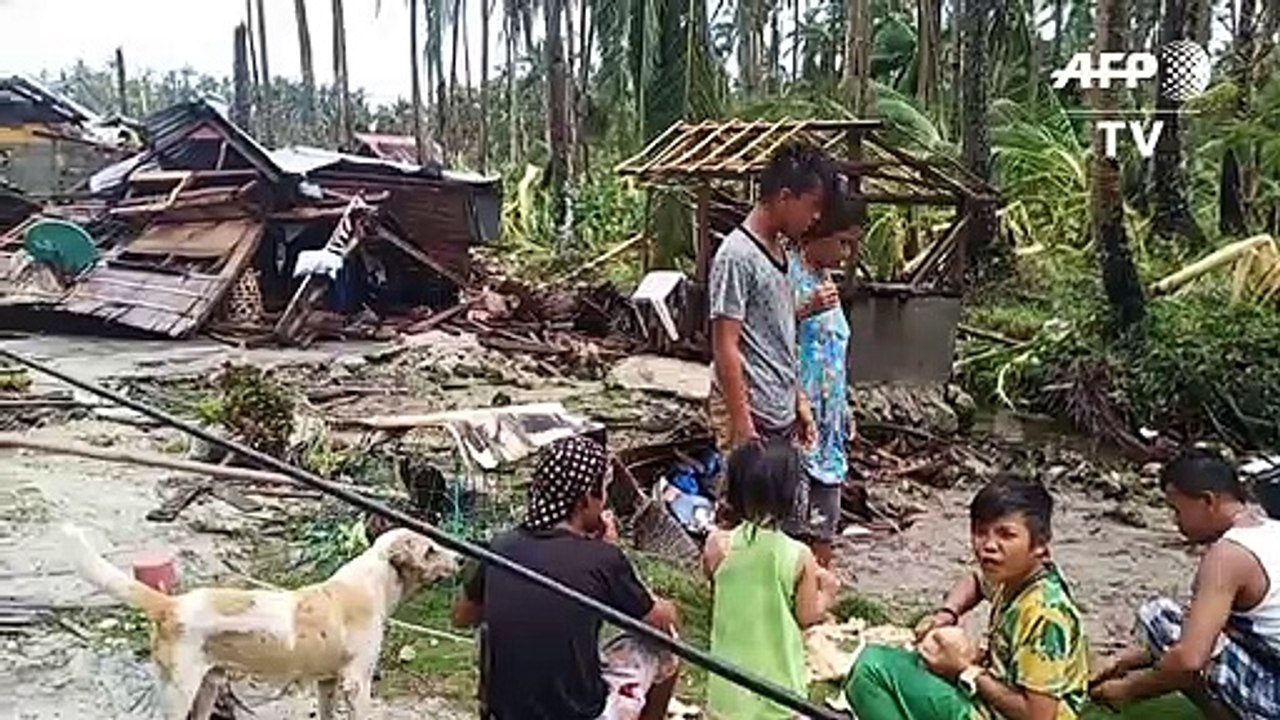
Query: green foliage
{"x": 1201, "y": 366}
{"x": 1208, "y": 366}
{"x": 606, "y": 210}
{"x": 329, "y": 541}
{"x": 254, "y": 407}
{"x": 858, "y": 606}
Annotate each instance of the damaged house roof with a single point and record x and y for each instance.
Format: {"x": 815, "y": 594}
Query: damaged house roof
{"x": 25, "y": 100}
{"x": 401, "y": 148}
{"x": 198, "y": 202}
{"x": 197, "y": 135}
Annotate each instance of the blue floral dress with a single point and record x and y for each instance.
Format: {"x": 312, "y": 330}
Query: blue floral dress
{"x": 823, "y": 344}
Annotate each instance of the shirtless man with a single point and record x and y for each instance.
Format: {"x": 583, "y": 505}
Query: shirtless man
{"x": 1224, "y": 651}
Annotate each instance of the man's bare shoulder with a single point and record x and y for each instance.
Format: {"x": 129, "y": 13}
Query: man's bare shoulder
{"x": 1226, "y": 564}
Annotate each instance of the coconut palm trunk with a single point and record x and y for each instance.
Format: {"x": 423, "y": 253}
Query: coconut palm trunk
{"x": 557, "y": 111}
{"x": 856, "y": 79}
{"x": 267, "y": 112}
{"x": 985, "y": 257}
{"x": 308, "y": 66}
{"x": 242, "y": 83}
{"x": 344, "y": 130}
{"x": 1235, "y": 181}
{"x": 415, "y": 83}
{"x": 929, "y": 20}
{"x": 486, "y": 8}
{"x": 1119, "y": 274}
{"x": 1173, "y": 216}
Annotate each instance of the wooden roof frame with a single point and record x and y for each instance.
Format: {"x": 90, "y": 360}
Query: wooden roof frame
{"x": 696, "y": 154}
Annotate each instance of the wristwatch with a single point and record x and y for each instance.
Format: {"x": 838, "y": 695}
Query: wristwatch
{"x": 969, "y": 679}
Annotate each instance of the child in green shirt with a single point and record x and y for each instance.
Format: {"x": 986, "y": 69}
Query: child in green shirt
{"x": 768, "y": 587}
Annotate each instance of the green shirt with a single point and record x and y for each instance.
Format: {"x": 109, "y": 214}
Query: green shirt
{"x": 753, "y": 622}
{"x": 1036, "y": 642}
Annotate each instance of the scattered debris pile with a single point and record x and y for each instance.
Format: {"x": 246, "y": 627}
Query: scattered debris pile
{"x": 207, "y": 229}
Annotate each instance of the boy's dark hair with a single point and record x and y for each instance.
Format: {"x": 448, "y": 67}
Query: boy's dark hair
{"x": 1198, "y": 471}
{"x": 761, "y": 480}
{"x": 840, "y": 212}
{"x": 798, "y": 167}
{"x": 1008, "y": 494}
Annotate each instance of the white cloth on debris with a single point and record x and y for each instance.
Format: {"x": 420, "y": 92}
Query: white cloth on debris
{"x": 318, "y": 262}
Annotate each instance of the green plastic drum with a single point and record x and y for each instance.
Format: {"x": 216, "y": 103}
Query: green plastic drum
{"x": 62, "y": 244}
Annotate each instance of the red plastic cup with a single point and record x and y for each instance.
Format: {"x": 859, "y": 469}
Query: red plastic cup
{"x": 158, "y": 570}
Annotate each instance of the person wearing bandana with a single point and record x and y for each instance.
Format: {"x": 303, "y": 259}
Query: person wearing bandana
{"x": 542, "y": 653}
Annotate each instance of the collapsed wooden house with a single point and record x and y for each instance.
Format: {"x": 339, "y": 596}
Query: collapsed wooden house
{"x": 904, "y": 325}
{"x": 207, "y": 223}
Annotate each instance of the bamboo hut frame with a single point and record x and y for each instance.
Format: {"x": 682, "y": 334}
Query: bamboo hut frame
{"x": 702, "y": 156}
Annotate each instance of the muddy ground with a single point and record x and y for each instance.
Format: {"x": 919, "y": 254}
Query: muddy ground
{"x": 82, "y": 666}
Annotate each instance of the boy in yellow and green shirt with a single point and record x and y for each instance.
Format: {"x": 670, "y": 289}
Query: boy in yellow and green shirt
{"x": 1035, "y": 663}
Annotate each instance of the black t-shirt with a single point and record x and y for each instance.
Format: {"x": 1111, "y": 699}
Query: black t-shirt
{"x": 544, "y": 655}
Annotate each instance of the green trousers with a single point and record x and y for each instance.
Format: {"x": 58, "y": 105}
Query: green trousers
{"x": 893, "y": 684}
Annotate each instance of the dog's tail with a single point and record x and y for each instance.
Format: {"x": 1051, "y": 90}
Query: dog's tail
{"x": 115, "y": 581}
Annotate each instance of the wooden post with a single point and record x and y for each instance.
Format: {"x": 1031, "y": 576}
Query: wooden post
{"x": 121, "y": 84}
{"x": 702, "y": 232}
{"x": 856, "y": 152}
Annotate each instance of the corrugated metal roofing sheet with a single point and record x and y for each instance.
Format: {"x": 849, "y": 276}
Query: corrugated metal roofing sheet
{"x": 400, "y": 148}
{"x": 188, "y": 136}
{"x": 303, "y": 160}
{"x": 32, "y": 101}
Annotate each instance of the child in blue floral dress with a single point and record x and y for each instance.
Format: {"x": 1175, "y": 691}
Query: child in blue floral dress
{"x": 823, "y": 335}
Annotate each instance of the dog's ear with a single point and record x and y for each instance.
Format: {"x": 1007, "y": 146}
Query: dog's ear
{"x": 401, "y": 555}
{"x": 418, "y": 560}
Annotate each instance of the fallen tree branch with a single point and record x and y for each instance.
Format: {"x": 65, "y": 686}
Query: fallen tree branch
{"x": 608, "y": 255}
{"x": 989, "y": 335}
{"x": 225, "y": 472}
{"x": 1208, "y": 263}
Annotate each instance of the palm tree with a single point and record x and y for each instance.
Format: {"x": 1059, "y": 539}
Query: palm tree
{"x": 415, "y": 82}
{"x": 304, "y": 56}
{"x": 857, "y": 56}
{"x": 346, "y": 134}
{"x": 240, "y": 75}
{"x": 1119, "y": 275}
{"x": 557, "y": 110}
{"x": 267, "y": 110}
{"x": 1173, "y": 216}
{"x": 751, "y": 20}
{"x": 980, "y": 231}
{"x": 512, "y": 21}
{"x": 1236, "y": 178}
{"x": 929, "y": 24}
{"x": 486, "y": 8}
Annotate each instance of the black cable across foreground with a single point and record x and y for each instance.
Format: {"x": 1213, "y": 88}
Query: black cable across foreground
{"x": 739, "y": 677}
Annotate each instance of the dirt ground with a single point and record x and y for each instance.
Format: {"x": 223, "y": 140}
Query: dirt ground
{"x": 82, "y": 667}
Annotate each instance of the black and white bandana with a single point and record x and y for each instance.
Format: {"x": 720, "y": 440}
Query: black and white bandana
{"x": 567, "y": 470}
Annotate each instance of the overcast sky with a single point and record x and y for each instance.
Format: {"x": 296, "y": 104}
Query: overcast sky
{"x": 166, "y": 35}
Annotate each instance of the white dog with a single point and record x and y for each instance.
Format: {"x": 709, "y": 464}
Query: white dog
{"x": 329, "y": 633}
